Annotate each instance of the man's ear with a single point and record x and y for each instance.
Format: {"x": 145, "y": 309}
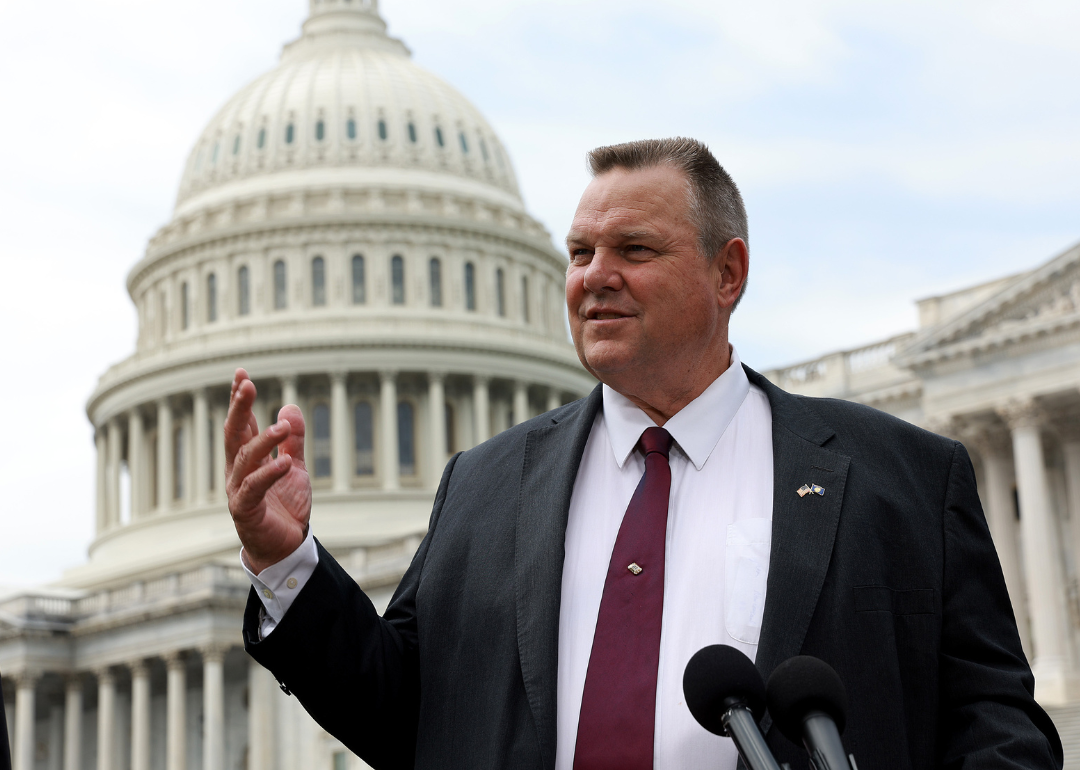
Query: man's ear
{"x": 731, "y": 267}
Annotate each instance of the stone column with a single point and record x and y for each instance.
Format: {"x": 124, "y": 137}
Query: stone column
{"x": 23, "y": 740}
{"x": 1000, "y": 508}
{"x": 165, "y": 466}
{"x": 200, "y": 432}
{"x": 261, "y": 689}
{"x": 114, "y": 441}
{"x": 102, "y": 476}
{"x": 217, "y": 439}
{"x": 1052, "y": 664}
{"x": 554, "y": 399}
{"x": 106, "y": 726}
{"x": 389, "y": 429}
{"x": 340, "y": 467}
{"x": 175, "y": 712}
{"x": 1070, "y": 450}
{"x": 437, "y": 411}
{"x": 140, "y": 715}
{"x": 481, "y": 409}
{"x": 288, "y": 390}
{"x": 73, "y": 705}
{"x": 136, "y": 460}
{"x": 521, "y": 402}
{"x": 213, "y": 707}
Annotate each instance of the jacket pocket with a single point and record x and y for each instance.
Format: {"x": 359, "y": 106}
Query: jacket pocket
{"x": 910, "y": 601}
{"x": 746, "y": 576}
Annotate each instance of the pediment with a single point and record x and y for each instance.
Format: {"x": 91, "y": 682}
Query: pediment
{"x": 1043, "y": 301}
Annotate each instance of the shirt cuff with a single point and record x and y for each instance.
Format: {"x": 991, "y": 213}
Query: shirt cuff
{"x": 279, "y": 584}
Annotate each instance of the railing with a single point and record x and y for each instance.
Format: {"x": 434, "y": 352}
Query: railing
{"x": 846, "y": 372}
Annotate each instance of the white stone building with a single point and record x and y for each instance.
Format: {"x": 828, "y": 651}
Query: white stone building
{"x": 349, "y": 229}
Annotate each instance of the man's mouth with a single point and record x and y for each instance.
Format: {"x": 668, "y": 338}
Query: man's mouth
{"x": 607, "y": 316}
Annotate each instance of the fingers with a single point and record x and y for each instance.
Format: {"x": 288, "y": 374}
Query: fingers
{"x": 254, "y": 485}
{"x": 240, "y": 424}
{"x": 252, "y": 455}
{"x": 294, "y": 444}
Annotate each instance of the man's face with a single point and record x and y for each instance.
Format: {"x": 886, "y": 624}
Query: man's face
{"x": 642, "y": 299}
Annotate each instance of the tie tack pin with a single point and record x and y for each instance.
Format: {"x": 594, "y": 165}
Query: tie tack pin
{"x": 633, "y": 567}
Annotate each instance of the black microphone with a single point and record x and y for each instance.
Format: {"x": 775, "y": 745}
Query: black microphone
{"x": 726, "y": 695}
{"x": 808, "y": 702}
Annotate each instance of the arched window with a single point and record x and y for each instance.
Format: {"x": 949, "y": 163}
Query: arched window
{"x": 318, "y": 281}
{"x": 397, "y": 279}
{"x": 382, "y": 129}
{"x": 321, "y": 442}
{"x": 363, "y": 427}
{"x": 320, "y": 131}
{"x": 439, "y": 137}
{"x": 525, "y": 298}
{"x": 412, "y": 133}
{"x": 290, "y": 133}
{"x": 280, "y": 295}
{"x": 406, "y": 439}
{"x": 359, "y": 288}
{"x": 185, "y": 308}
{"x": 236, "y": 145}
{"x": 483, "y": 149}
{"x": 470, "y": 286}
{"x": 500, "y": 292}
{"x": 211, "y": 298}
{"x": 243, "y": 291}
{"x": 350, "y": 128}
{"x": 213, "y": 155}
{"x": 464, "y": 142}
{"x": 262, "y": 138}
{"x": 435, "y": 276}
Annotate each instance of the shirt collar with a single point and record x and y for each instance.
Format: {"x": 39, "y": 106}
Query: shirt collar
{"x": 696, "y": 428}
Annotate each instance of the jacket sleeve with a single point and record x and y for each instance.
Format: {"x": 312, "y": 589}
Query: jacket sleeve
{"x": 988, "y": 713}
{"x": 356, "y": 673}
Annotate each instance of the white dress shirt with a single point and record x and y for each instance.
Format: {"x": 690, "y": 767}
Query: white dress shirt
{"x": 716, "y": 559}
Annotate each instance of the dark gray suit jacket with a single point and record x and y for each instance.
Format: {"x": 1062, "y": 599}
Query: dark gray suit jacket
{"x": 891, "y": 577}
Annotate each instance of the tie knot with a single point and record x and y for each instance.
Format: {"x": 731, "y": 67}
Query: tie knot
{"x": 655, "y": 440}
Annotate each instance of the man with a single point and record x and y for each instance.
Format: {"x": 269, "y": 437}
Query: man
{"x": 574, "y": 563}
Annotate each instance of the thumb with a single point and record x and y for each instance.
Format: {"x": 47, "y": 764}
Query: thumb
{"x": 293, "y": 445}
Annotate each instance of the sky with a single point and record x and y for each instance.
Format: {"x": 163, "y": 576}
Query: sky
{"x": 887, "y": 151}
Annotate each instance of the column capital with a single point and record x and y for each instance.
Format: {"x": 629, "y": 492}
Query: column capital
{"x": 986, "y": 439}
{"x": 104, "y": 674}
{"x": 481, "y": 379}
{"x": 73, "y": 680}
{"x": 26, "y": 677}
{"x": 139, "y": 667}
{"x": 388, "y": 375}
{"x": 943, "y": 424}
{"x": 177, "y": 659}
{"x": 213, "y": 653}
{"x": 338, "y": 375}
{"x": 436, "y": 375}
{"x": 1021, "y": 413}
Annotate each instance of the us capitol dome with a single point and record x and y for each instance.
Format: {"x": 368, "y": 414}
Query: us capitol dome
{"x": 350, "y": 230}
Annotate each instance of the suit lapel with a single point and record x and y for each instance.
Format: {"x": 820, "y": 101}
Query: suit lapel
{"x": 803, "y": 528}
{"x": 552, "y": 456}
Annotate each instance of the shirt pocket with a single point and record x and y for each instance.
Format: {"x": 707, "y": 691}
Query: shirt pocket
{"x": 747, "y": 573}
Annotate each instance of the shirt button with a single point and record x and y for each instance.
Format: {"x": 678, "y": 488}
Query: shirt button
{"x": 291, "y": 582}
{"x": 268, "y": 593}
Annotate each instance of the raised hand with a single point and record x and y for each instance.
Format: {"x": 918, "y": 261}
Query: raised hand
{"x": 269, "y": 498}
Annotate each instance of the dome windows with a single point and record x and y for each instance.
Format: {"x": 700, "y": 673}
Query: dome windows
{"x": 439, "y": 137}
{"x": 397, "y": 280}
{"x": 464, "y": 142}
{"x": 185, "y": 306}
{"x": 364, "y": 432}
{"x": 318, "y": 282}
{"x": 406, "y": 439}
{"x": 470, "y": 286}
{"x": 290, "y": 133}
{"x": 236, "y": 145}
{"x": 280, "y": 293}
{"x": 483, "y": 150}
{"x": 435, "y": 279}
{"x": 261, "y": 142}
{"x": 525, "y": 298}
{"x": 500, "y": 292}
{"x": 412, "y": 132}
{"x": 382, "y": 129}
{"x": 320, "y": 131}
{"x": 211, "y": 298}
{"x": 243, "y": 290}
{"x": 350, "y": 128}
{"x": 359, "y": 290}
{"x": 214, "y": 154}
{"x": 321, "y": 444}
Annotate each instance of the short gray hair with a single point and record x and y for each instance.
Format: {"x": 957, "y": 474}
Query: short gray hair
{"x": 716, "y": 206}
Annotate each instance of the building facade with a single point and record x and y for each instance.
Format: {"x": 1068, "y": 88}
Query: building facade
{"x": 349, "y": 229}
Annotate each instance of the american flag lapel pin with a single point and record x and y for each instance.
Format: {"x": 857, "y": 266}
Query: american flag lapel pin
{"x": 804, "y": 490}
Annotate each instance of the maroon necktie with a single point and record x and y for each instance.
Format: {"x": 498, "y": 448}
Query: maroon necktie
{"x": 618, "y": 706}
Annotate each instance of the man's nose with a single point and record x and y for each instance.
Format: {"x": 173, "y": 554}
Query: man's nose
{"x": 603, "y": 274}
